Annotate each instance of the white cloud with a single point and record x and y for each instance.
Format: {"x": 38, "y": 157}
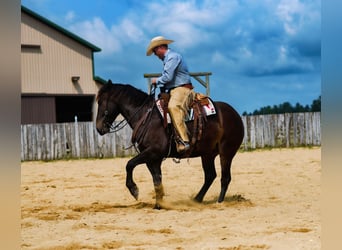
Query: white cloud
{"x": 69, "y": 17}
{"x": 249, "y": 43}
{"x": 218, "y": 58}
{"x": 111, "y": 39}
{"x": 245, "y": 52}
{"x": 279, "y": 86}
{"x": 96, "y": 32}
{"x": 296, "y": 13}
{"x": 188, "y": 21}
{"x": 282, "y": 53}
{"x": 127, "y": 32}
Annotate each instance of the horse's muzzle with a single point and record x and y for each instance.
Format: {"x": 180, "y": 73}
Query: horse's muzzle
{"x": 100, "y": 131}
{"x": 101, "y": 128}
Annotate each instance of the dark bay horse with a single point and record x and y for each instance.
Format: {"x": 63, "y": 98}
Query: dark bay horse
{"x": 222, "y": 135}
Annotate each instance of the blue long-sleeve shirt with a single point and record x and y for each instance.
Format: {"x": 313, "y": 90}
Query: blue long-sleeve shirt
{"x": 175, "y": 71}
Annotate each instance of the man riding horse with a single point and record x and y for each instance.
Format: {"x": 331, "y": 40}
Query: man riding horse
{"x": 175, "y": 79}
{"x": 223, "y": 134}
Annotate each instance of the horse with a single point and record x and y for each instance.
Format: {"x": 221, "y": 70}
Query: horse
{"x": 222, "y": 135}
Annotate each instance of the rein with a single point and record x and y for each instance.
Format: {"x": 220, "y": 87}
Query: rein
{"x": 123, "y": 123}
{"x": 117, "y": 127}
{"x": 137, "y": 135}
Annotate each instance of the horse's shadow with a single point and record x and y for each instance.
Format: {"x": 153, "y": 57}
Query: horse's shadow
{"x": 192, "y": 204}
{"x": 233, "y": 199}
{"x": 183, "y": 204}
{"x": 108, "y": 208}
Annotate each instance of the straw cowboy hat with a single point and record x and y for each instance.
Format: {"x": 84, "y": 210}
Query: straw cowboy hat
{"x": 155, "y": 42}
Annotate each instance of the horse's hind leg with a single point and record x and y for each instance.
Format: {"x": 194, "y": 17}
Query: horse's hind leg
{"x": 226, "y": 161}
{"x": 155, "y": 170}
{"x": 208, "y": 165}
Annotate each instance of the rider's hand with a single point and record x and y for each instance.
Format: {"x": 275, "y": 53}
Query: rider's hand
{"x": 154, "y": 83}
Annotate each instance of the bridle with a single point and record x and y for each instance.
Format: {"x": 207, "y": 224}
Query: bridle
{"x": 112, "y": 128}
{"x": 123, "y": 123}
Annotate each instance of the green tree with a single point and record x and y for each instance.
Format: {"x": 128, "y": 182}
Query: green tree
{"x": 286, "y": 107}
{"x": 316, "y": 105}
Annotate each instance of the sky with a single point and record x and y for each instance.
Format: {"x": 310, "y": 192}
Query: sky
{"x": 260, "y": 52}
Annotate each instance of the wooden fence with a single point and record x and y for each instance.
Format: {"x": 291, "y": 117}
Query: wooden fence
{"x": 282, "y": 130}
{"x": 81, "y": 140}
{"x": 72, "y": 140}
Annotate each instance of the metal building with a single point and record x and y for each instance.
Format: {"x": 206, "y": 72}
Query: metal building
{"x": 57, "y": 73}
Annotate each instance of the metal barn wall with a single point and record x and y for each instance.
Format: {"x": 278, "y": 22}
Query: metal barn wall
{"x": 38, "y": 109}
{"x": 49, "y": 59}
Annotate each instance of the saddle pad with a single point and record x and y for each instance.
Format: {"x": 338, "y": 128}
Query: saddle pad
{"x": 209, "y": 110}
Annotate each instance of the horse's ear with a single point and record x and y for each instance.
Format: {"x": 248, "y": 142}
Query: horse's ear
{"x": 109, "y": 82}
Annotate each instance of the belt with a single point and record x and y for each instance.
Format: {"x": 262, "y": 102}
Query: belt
{"x": 187, "y": 85}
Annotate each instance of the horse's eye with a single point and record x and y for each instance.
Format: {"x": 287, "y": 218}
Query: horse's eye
{"x": 106, "y": 112}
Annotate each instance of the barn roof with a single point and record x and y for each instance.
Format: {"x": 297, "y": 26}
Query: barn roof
{"x": 60, "y": 29}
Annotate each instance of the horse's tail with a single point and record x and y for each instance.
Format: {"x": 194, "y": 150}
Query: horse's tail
{"x": 231, "y": 123}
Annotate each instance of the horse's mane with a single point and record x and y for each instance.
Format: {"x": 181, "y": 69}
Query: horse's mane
{"x": 125, "y": 90}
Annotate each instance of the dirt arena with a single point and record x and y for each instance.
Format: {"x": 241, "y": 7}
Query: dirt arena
{"x": 273, "y": 202}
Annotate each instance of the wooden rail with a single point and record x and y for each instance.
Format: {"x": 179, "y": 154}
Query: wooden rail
{"x": 196, "y": 75}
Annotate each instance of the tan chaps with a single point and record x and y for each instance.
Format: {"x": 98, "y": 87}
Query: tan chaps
{"x": 180, "y": 100}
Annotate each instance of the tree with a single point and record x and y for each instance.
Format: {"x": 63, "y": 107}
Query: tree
{"x": 286, "y": 107}
{"x": 316, "y": 105}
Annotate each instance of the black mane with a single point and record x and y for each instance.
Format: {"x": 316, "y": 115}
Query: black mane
{"x": 123, "y": 90}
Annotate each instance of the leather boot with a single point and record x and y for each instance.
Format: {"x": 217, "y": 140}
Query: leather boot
{"x": 183, "y": 146}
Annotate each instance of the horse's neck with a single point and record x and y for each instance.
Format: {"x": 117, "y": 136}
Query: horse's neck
{"x": 133, "y": 114}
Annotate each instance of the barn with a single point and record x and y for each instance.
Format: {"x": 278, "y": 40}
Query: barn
{"x": 58, "y": 83}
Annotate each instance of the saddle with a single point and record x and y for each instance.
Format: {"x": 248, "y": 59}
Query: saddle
{"x": 199, "y": 109}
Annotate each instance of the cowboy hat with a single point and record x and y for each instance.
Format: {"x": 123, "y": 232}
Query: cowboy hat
{"x": 155, "y": 42}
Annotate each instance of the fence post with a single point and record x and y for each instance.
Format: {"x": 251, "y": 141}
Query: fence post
{"x": 77, "y": 138}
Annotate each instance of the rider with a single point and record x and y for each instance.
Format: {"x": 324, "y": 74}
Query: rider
{"x": 175, "y": 79}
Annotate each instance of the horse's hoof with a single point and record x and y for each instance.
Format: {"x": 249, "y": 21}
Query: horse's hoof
{"x": 134, "y": 192}
{"x": 220, "y": 199}
{"x": 157, "y": 206}
{"x": 198, "y": 200}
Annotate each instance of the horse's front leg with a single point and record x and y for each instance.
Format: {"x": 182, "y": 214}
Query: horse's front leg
{"x": 155, "y": 170}
{"x": 131, "y": 164}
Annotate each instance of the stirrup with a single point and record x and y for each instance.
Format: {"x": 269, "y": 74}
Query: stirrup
{"x": 183, "y": 146}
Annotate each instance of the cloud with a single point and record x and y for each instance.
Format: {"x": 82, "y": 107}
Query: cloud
{"x": 289, "y": 12}
{"x": 187, "y": 22}
{"x": 127, "y": 32}
{"x": 70, "y": 16}
{"x": 277, "y": 39}
{"x": 110, "y": 37}
{"x": 249, "y": 38}
{"x": 98, "y": 33}
{"x": 218, "y": 58}
{"x": 296, "y": 15}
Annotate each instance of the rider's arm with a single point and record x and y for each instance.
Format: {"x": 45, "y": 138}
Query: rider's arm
{"x": 170, "y": 65}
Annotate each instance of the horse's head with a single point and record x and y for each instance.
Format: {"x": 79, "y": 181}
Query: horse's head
{"x": 108, "y": 108}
